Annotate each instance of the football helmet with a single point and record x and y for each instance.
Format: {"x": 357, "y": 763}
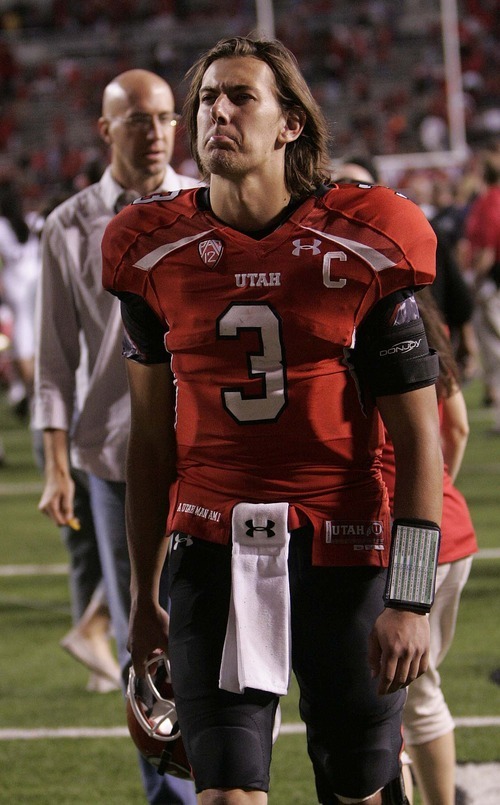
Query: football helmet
{"x": 152, "y": 718}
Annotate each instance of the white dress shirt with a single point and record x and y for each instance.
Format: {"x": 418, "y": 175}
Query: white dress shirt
{"x": 80, "y": 374}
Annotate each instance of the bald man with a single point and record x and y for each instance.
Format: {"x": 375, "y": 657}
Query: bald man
{"x": 81, "y": 393}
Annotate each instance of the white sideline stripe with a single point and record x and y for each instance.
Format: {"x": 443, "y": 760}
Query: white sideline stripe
{"x": 61, "y": 569}
{"x": 34, "y": 570}
{"x": 477, "y": 721}
{"x": 63, "y": 732}
{"x": 122, "y": 732}
{"x": 488, "y": 553}
{"x": 19, "y": 488}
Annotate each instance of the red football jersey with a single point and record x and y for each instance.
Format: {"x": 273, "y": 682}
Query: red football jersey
{"x": 257, "y": 330}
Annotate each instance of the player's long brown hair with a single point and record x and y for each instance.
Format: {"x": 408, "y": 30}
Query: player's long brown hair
{"x": 438, "y": 339}
{"x": 306, "y": 163}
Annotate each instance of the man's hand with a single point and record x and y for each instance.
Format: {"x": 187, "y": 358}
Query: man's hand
{"x": 59, "y": 491}
{"x": 399, "y": 648}
{"x": 57, "y": 498}
{"x": 148, "y": 633}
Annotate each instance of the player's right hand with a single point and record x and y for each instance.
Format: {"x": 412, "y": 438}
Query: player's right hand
{"x": 148, "y": 634}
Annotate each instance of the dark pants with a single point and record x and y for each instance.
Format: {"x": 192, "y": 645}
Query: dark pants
{"x": 354, "y": 735}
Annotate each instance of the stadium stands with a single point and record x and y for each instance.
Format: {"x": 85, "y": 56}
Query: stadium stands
{"x": 375, "y": 66}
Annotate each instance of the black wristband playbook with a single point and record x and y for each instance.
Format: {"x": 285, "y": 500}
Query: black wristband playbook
{"x": 413, "y": 562}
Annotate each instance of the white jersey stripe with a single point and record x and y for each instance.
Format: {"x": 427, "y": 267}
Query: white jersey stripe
{"x": 150, "y": 260}
{"x": 377, "y": 260}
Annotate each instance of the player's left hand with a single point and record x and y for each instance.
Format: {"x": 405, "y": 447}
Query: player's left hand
{"x": 399, "y": 648}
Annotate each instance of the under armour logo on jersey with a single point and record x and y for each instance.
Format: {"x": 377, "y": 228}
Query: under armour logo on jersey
{"x": 181, "y": 539}
{"x": 303, "y": 245}
{"x": 210, "y": 252}
{"x": 267, "y": 529}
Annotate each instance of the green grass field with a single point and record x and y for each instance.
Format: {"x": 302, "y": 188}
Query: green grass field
{"x": 42, "y": 688}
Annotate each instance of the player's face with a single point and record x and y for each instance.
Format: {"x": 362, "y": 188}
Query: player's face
{"x": 239, "y": 118}
{"x": 141, "y": 132}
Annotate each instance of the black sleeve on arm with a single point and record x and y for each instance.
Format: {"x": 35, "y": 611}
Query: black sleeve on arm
{"x": 144, "y": 339}
{"x": 391, "y": 354}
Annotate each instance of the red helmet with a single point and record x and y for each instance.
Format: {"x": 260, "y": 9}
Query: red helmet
{"x": 152, "y": 719}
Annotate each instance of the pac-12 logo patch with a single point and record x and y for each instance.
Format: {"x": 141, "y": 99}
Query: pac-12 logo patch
{"x": 210, "y": 252}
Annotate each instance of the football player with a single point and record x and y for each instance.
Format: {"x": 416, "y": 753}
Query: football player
{"x": 256, "y": 309}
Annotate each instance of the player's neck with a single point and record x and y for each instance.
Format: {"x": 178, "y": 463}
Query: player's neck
{"x": 247, "y": 206}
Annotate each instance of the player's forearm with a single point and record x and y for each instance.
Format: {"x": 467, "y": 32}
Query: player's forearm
{"x": 413, "y": 424}
{"x": 419, "y": 481}
{"x": 148, "y": 481}
{"x": 150, "y": 472}
{"x": 147, "y": 550}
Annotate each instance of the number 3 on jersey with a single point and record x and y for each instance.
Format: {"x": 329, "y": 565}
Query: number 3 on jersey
{"x": 268, "y": 363}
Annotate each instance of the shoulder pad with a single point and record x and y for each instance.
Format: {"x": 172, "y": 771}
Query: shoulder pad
{"x": 390, "y": 215}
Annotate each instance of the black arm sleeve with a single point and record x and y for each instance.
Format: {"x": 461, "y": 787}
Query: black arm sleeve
{"x": 144, "y": 338}
{"x": 391, "y": 354}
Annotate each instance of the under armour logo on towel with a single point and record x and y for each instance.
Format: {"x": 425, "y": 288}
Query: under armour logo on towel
{"x": 124, "y": 199}
{"x": 268, "y": 529}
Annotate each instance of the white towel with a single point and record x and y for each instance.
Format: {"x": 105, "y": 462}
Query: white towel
{"x": 257, "y": 647}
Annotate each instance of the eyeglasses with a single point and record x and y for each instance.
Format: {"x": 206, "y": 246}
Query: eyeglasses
{"x": 143, "y": 122}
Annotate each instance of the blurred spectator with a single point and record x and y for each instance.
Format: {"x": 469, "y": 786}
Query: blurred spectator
{"x": 450, "y": 290}
{"x": 9, "y": 69}
{"x": 89, "y": 640}
{"x": 20, "y": 267}
{"x": 82, "y": 398}
{"x": 356, "y": 169}
{"x": 482, "y": 231}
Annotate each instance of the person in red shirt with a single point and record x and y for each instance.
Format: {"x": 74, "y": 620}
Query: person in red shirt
{"x": 428, "y": 724}
{"x": 482, "y": 236}
{"x": 256, "y": 309}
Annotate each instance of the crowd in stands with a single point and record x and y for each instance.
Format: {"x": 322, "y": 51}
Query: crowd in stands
{"x": 375, "y": 66}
